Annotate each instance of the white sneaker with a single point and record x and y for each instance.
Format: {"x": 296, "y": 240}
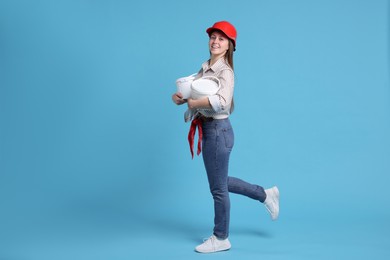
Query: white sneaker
{"x": 272, "y": 202}
{"x": 213, "y": 244}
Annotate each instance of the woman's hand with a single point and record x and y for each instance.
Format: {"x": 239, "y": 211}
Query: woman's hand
{"x": 192, "y": 103}
{"x": 177, "y": 98}
{"x": 198, "y": 103}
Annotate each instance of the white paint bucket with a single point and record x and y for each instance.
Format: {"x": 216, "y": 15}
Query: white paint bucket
{"x": 184, "y": 85}
{"x": 204, "y": 87}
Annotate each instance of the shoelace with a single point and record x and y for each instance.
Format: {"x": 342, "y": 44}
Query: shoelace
{"x": 210, "y": 240}
{"x": 196, "y": 123}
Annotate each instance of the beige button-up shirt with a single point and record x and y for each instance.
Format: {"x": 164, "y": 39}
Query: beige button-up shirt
{"x": 220, "y": 102}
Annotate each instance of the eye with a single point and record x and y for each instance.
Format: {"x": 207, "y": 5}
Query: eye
{"x": 221, "y": 39}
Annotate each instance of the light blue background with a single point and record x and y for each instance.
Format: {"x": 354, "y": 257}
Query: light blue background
{"x": 94, "y": 161}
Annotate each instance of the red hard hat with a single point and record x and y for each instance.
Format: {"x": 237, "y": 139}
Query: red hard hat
{"x": 225, "y": 27}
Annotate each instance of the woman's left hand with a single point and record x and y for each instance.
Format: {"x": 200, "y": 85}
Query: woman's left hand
{"x": 191, "y": 103}
{"x": 198, "y": 103}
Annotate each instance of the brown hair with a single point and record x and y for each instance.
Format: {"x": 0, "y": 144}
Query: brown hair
{"x": 229, "y": 54}
{"x": 229, "y": 59}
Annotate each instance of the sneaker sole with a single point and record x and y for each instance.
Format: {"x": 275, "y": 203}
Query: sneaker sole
{"x": 210, "y": 252}
{"x": 216, "y": 251}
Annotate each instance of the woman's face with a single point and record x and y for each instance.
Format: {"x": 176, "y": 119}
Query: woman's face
{"x": 218, "y": 44}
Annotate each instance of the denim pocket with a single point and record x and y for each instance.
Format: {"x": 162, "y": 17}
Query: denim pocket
{"x": 229, "y": 137}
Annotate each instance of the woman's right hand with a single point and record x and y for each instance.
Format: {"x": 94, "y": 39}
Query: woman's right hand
{"x": 178, "y": 99}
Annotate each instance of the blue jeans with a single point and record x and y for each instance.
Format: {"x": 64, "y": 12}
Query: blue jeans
{"x": 218, "y": 141}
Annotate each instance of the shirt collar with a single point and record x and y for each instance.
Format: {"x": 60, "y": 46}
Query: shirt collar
{"x": 217, "y": 65}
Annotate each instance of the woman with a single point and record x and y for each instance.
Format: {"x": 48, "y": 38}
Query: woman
{"x": 211, "y": 115}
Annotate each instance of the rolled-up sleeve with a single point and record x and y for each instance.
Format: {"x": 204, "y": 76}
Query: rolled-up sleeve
{"x": 222, "y": 100}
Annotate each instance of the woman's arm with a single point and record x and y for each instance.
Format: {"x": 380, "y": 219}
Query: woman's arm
{"x": 222, "y": 100}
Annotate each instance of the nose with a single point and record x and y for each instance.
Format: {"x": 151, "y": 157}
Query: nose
{"x": 214, "y": 41}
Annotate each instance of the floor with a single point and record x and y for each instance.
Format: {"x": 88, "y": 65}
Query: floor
{"x": 110, "y": 233}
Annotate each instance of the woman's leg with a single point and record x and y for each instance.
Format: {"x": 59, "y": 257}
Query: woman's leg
{"x": 270, "y": 197}
{"x": 218, "y": 139}
{"x": 241, "y": 187}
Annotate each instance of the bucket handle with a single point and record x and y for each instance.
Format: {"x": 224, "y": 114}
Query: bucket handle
{"x": 214, "y": 79}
